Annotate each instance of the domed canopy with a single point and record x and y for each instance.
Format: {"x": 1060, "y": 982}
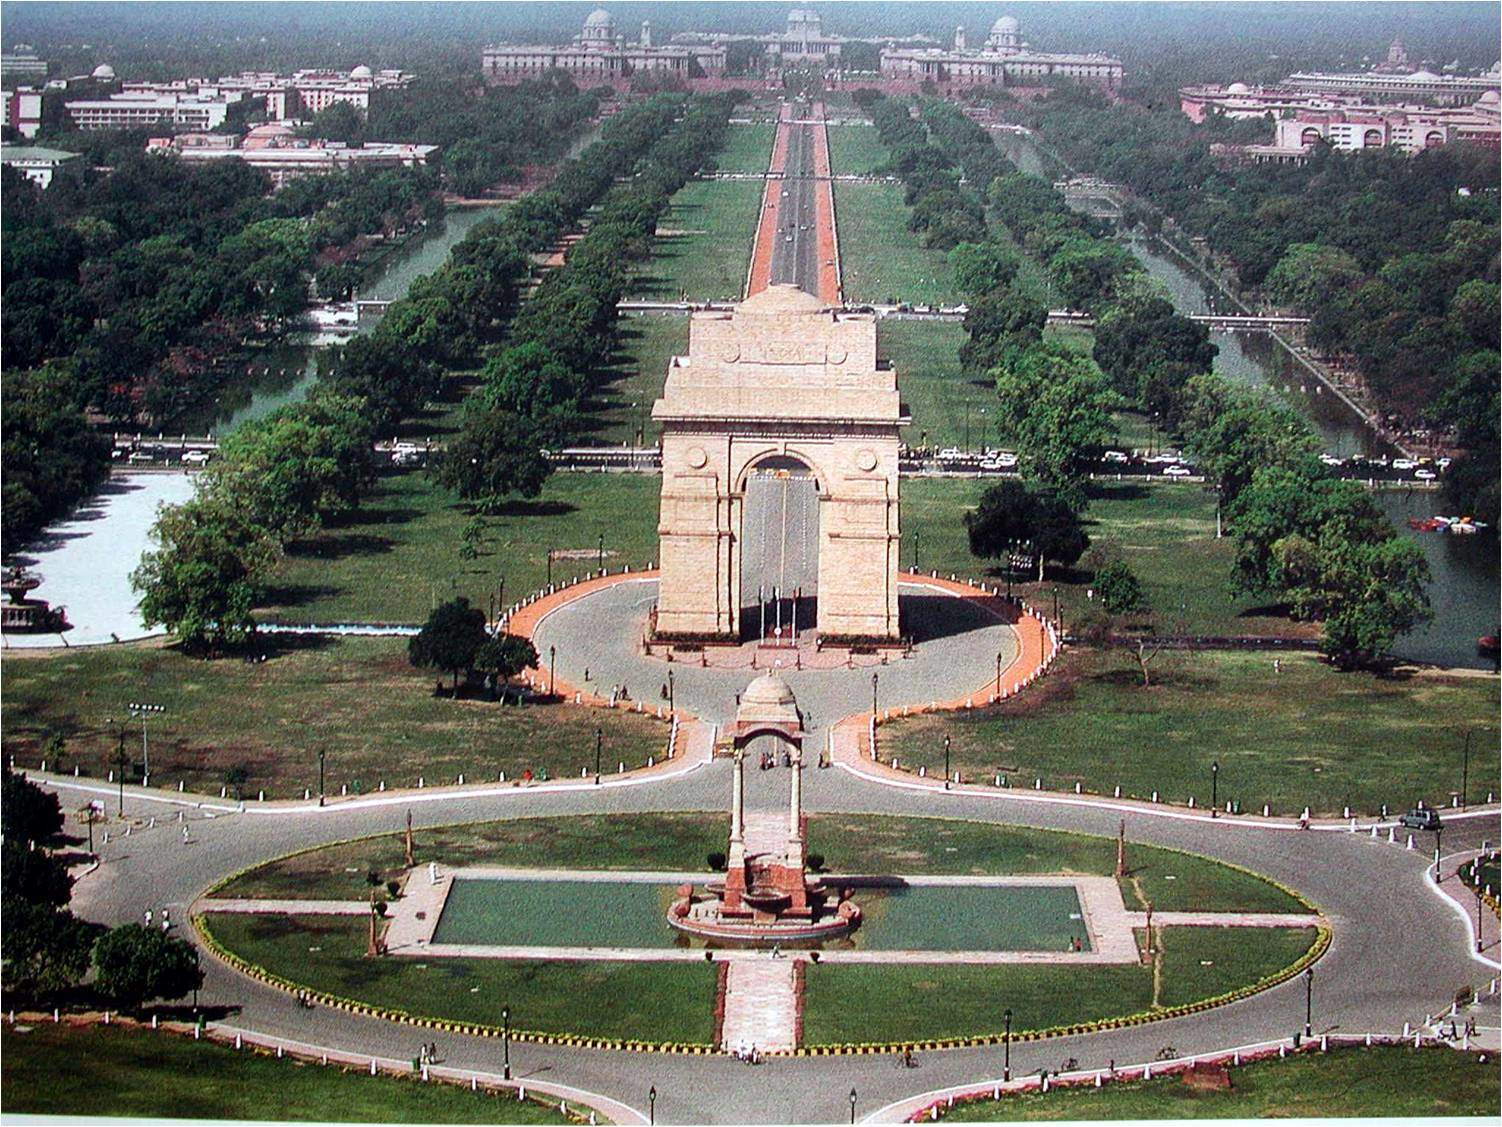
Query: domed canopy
{"x": 361, "y": 71}
{"x": 1238, "y": 88}
{"x": 599, "y": 18}
{"x": 768, "y": 701}
{"x": 103, "y": 70}
{"x": 1423, "y": 76}
{"x": 783, "y": 299}
{"x": 1490, "y": 98}
{"x": 1005, "y": 25}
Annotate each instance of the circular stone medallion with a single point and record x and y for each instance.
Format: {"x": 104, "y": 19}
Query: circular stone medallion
{"x": 696, "y": 457}
{"x": 866, "y": 460}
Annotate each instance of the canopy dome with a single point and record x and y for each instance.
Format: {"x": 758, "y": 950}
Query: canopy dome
{"x": 1006, "y": 24}
{"x": 768, "y": 700}
{"x": 103, "y": 70}
{"x": 599, "y": 18}
{"x": 361, "y": 71}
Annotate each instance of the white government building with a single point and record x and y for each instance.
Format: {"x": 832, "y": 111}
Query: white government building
{"x": 1002, "y": 60}
{"x": 600, "y": 55}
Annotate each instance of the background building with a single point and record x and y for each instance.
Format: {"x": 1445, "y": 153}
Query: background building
{"x": 599, "y": 56}
{"x": 276, "y": 150}
{"x": 23, "y": 110}
{"x": 1003, "y": 60}
{"x": 36, "y": 164}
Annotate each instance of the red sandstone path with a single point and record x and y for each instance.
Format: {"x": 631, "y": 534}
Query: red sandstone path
{"x": 760, "y": 276}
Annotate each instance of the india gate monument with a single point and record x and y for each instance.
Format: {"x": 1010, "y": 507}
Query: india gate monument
{"x": 779, "y": 476}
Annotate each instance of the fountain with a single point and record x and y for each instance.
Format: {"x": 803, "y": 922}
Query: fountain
{"x": 766, "y": 897}
{"x": 18, "y": 615}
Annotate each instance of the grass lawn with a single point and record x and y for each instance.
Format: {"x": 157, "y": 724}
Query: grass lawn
{"x": 874, "y": 1003}
{"x": 880, "y": 258}
{"x": 856, "y": 150}
{"x": 635, "y": 378}
{"x": 937, "y": 393}
{"x": 1165, "y": 532}
{"x": 646, "y": 1000}
{"x": 1308, "y": 735}
{"x": 356, "y": 699}
{"x": 849, "y": 844}
{"x": 399, "y": 555}
{"x": 748, "y": 148}
{"x": 703, "y": 247}
{"x": 1379, "y": 1083}
{"x": 119, "y": 1072}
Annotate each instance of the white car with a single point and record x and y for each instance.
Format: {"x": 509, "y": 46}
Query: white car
{"x": 1404, "y": 464}
{"x": 1425, "y": 475}
{"x": 1178, "y": 471}
{"x": 1114, "y": 456}
{"x": 1442, "y": 463}
{"x": 1161, "y": 459}
{"x": 195, "y": 457}
{"x": 1331, "y": 460}
{"x": 951, "y": 454}
{"x": 1007, "y": 460}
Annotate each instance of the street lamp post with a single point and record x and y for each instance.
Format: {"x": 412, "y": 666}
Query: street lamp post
{"x": 1475, "y": 887}
{"x": 1309, "y": 1002}
{"x": 506, "y": 1042}
{"x": 852, "y": 1105}
{"x": 875, "y": 677}
{"x": 1215, "y": 789}
{"x": 144, "y": 711}
{"x": 916, "y": 535}
{"x": 120, "y": 762}
{"x": 601, "y": 558}
{"x": 1465, "y": 769}
{"x": 552, "y": 668}
{"x": 550, "y": 567}
{"x": 671, "y": 698}
{"x": 1011, "y": 558}
{"x": 1006, "y": 1060}
{"x": 599, "y": 743}
{"x": 946, "y": 762}
{"x": 967, "y": 426}
{"x": 321, "y": 753}
{"x": 998, "y": 674}
{"x": 652, "y": 1104}
{"x": 197, "y": 980}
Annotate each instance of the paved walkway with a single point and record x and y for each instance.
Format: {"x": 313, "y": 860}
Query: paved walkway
{"x": 1225, "y": 919}
{"x": 761, "y": 1006}
{"x": 285, "y": 907}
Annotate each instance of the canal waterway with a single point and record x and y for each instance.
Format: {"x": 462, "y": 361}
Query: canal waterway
{"x": 284, "y": 372}
{"x": 1464, "y": 589}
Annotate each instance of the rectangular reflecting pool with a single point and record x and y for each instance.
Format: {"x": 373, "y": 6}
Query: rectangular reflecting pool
{"x": 489, "y": 911}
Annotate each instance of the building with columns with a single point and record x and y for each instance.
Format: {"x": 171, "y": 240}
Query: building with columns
{"x": 1002, "y": 60}
{"x": 599, "y": 55}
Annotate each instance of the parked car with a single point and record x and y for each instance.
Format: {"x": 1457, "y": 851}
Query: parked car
{"x": 195, "y": 457}
{"x": 1115, "y": 456}
{"x": 1425, "y": 475}
{"x": 1331, "y": 460}
{"x": 1420, "y": 819}
{"x": 990, "y": 463}
{"x": 1007, "y": 460}
{"x": 951, "y": 454}
{"x": 140, "y": 458}
{"x": 1178, "y": 471}
{"x": 1404, "y": 464}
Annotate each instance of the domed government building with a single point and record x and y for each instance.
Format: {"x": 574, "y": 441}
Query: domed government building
{"x": 599, "y": 55}
{"x": 1002, "y": 60}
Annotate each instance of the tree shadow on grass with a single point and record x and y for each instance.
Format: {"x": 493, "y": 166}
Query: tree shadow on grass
{"x": 299, "y": 594}
{"x": 1116, "y": 491}
{"x": 520, "y": 508}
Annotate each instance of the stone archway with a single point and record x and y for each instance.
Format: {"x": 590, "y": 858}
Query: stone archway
{"x": 782, "y": 380}
{"x": 779, "y": 548}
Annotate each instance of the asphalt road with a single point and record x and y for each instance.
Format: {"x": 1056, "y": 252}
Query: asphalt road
{"x": 1399, "y": 951}
{"x": 795, "y": 257}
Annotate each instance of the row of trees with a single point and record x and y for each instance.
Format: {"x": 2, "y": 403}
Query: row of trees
{"x": 47, "y": 950}
{"x": 1303, "y": 537}
{"x": 534, "y": 390}
{"x": 1395, "y": 257}
{"x": 943, "y": 214}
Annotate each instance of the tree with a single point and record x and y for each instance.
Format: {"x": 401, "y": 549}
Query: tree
{"x": 27, "y": 812}
{"x": 450, "y": 639}
{"x": 504, "y": 657}
{"x": 134, "y": 964}
{"x": 46, "y": 950}
{"x": 33, "y": 876}
{"x": 1010, "y": 515}
{"x": 1369, "y": 595}
{"x": 1119, "y": 589}
{"x": 495, "y": 455}
{"x": 207, "y": 572}
{"x": 1309, "y": 273}
{"x": 1134, "y": 343}
{"x": 980, "y": 268}
{"x": 1056, "y": 406}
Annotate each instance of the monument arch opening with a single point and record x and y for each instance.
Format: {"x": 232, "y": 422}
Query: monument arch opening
{"x": 779, "y": 459}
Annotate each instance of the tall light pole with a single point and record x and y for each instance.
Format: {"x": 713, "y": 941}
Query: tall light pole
{"x": 671, "y": 708}
{"x": 1465, "y": 769}
{"x": 552, "y": 668}
{"x": 875, "y": 677}
{"x": 506, "y": 1042}
{"x": 652, "y": 1104}
{"x": 321, "y": 753}
{"x": 916, "y": 535}
{"x": 1006, "y": 1040}
{"x": 998, "y": 674}
{"x": 1215, "y": 789}
{"x": 1309, "y": 1002}
{"x": 120, "y": 764}
{"x": 852, "y": 1105}
{"x": 946, "y": 762}
{"x": 601, "y": 558}
{"x": 144, "y": 711}
{"x": 550, "y": 566}
{"x": 599, "y": 743}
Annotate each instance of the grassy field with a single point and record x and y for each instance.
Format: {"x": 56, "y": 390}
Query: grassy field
{"x": 856, "y": 150}
{"x": 880, "y": 258}
{"x": 1165, "y": 532}
{"x": 937, "y": 393}
{"x": 748, "y": 148}
{"x": 1378, "y": 1083}
{"x": 704, "y": 242}
{"x": 849, "y": 844}
{"x": 400, "y": 554}
{"x": 1307, "y": 735}
{"x": 119, "y": 1072}
{"x": 873, "y": 1003}
{"x": 356, "y": 699}
{"x": 635, "y": 378}
{"x": 647, "y": 1000}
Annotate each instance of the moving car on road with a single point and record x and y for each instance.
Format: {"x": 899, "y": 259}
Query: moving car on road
{"x": 1420, "y": 819}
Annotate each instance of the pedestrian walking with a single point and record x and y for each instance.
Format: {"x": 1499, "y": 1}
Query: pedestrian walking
{"x": 185, "y": 834}
{"x": 149, "y": 917}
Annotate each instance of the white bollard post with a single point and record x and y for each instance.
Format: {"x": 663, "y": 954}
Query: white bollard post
{"x": 1410, "y": 842}
{"x": 1155, "y": 796}
{"x": 1266, "y": 810}
{"x": 153, "y": 1021}
{"x": 1116, "y": 793}
{"x": 372, "y": 1066}
{"x": 238, "y": 1042}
